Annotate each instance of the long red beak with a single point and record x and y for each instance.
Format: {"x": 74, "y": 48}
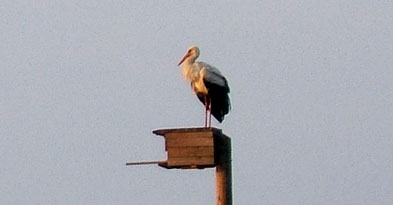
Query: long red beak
{"x": 183, "y": 59}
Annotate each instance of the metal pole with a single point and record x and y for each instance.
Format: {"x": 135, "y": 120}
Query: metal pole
{"x": 224, "y": 171}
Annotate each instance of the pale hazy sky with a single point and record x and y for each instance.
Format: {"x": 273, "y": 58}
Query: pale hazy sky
{"x": 83, "y": 84}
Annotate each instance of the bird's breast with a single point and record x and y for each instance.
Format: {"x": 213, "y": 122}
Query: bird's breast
{"x": 195, "y": 75}
{"x": 199, "y": 87}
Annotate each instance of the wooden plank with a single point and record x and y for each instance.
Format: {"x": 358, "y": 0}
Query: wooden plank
{"x": 188, "y": 129}
{"x": 186, "y": 135}
{"x": 192, "y": 142}
{"x": 190, "y": 161}
{"x": 191, "y": 151}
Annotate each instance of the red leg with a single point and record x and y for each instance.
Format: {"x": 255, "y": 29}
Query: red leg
{"x": 210, "y": 112}
{"x": 206, "y": 108}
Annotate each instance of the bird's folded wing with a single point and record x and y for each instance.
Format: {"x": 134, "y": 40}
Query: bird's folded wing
{"x": 213, "y": 76}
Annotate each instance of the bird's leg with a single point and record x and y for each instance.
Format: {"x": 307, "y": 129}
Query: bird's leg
{"x": 206, "y": 108}
{"x": 210, "y": 112}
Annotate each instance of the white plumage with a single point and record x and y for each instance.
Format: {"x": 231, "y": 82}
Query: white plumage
{"x": 208, "y": 83}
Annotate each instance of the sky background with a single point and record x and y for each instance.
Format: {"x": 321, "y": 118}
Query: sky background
{"x": 83, "y": 84}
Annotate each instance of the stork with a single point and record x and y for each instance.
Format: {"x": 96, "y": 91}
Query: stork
{"x": 209, "y": 85}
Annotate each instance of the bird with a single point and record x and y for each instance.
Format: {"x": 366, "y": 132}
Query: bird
{"x": 210, "y": 86}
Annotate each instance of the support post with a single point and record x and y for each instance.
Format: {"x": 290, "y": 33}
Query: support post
{"x": 223, "y": 170}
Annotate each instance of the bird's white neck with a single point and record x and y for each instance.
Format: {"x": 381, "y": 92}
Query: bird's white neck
{"x": 190, "y": 70}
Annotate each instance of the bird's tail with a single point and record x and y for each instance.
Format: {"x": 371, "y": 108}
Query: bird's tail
{"x": 220, "y": 106}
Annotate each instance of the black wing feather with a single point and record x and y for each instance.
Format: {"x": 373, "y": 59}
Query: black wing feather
{"x": 220, "y": 102}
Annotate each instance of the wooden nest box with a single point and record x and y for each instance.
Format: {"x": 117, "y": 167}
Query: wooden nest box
{"x": 190, "y": 148}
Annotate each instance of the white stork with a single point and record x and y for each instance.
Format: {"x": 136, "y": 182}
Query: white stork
{"x": 208, "y": 83}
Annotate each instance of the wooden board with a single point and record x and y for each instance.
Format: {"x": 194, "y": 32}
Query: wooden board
{"x": 188, "y": 129}
{"x": 190, "y": 161}
{"x": 191, "y": 151}
{"x": 191, "y": 142}
{"x": 187, "y": 135}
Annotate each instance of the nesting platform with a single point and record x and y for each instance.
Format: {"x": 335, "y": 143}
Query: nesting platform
{"x": 192, "y": 148}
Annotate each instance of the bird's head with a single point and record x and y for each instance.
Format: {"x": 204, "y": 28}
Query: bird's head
{"x": 192, "y": 54}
